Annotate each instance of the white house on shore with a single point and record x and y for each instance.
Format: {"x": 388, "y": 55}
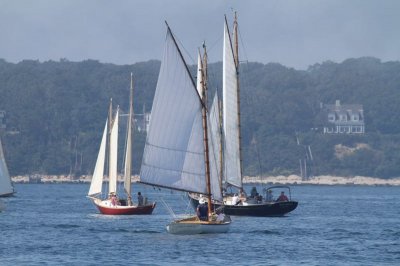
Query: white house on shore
{"x": 344, "y": 118}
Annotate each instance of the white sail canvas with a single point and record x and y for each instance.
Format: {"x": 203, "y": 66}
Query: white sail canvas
{"x": 98, "y": 174}
{"x": 128, "y": 154}
{"x": 230, "y": 113}
{"x": 174, "y": 151}
{"x": 5, "y": 179}
{"x": 112, "y": 187}
{"x": 214, "y": 146}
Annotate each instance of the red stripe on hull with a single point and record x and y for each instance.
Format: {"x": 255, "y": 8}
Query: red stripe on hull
{"x": 127, "y": 210}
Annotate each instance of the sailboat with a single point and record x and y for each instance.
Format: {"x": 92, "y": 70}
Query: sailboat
{"x": 235, "y": 204}
{"x": 112, "y": 205}
{"x": 177, "y": 154}
{"x": 6, "y": 187}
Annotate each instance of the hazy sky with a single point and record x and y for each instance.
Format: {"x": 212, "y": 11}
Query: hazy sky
{"x": 295, "y": 33}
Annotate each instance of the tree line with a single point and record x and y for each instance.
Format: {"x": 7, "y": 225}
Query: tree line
{"x": 56, "y": 110}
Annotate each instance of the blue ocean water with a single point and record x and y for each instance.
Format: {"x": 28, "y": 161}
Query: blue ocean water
{"x": 54, "y": 224}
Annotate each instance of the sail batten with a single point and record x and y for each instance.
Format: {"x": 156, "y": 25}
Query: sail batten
{"x": 230, "y": 114}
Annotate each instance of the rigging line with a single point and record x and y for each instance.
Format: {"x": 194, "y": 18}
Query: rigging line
{"x": 169, "y": 209}
{"x": 242, "y": 46}
{"x": 250, "y": 99}
{"x": 184, "y": 48}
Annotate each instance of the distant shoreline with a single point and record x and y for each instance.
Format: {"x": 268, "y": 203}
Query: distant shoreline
{"x": 273, "y": 180}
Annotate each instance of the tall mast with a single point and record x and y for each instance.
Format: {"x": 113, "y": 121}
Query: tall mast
{"x": 205, "y": 128}
{"x": 108, "y": 138}
{"x": 128, "y": 155}
{"x": 236, "y": 57}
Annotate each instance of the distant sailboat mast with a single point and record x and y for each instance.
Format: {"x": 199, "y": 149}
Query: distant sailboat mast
{"x": 236, "y": 56}
{"x": 128, "y": 154}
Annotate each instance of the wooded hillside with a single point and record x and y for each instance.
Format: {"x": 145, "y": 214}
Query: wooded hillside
{"x": 55, "y": 113}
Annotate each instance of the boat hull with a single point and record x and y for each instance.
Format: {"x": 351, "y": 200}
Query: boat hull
{"x": 192, "y": 226}
{"x": 106, "y": 208}
{"x": 7, "y": 195}
{"x": 264, "y": 209}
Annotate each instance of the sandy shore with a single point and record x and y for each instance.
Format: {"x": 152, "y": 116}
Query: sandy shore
{"x": 286, "y": 180}
{"x": 324, "y": 180}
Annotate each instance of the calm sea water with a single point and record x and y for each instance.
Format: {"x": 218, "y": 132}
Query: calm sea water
{"x": 54, "y": 224}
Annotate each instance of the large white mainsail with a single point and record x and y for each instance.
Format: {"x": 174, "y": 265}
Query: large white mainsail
{"x": 233, "y": 171}
{"x": 6, "y": 187}
{"x": 174, "y": 151}
{"x": 112, "y": 187}
{"x": 98, "y": 174}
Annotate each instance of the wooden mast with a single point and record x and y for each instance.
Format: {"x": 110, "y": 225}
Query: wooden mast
{"x": 205, "y": 128}
{"x": 236, "y": 58}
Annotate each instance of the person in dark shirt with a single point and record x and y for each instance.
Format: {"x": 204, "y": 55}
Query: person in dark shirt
{"x": 282, "y": 197}
{"x": 140, "y": 199}
{"x": 202, "y": 210}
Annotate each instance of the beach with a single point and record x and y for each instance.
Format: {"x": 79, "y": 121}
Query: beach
{"x": 282, "y": 180}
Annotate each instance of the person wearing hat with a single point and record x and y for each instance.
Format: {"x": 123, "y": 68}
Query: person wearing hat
{"x": 202, "y": 210}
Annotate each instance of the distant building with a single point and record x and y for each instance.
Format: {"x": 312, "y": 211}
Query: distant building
{"x": 344, "y": 118}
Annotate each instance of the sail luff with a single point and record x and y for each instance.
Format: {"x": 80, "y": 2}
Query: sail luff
{"x": 6, "y": 187}
{"x": 112, "y": 187}
{"x": 231, "y": 115}
{"x": 128, "y": 154}
{"x": 98, "y": 173}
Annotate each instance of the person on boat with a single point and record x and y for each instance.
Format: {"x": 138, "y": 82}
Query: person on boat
{"x": 220, "y": 215}
{"x": 253, "y": 192}
{"x": 129, "y": 201}
{"x": 140, "y": 199}
{"x": 282, "y": 197}
{"x": 202, "y": 210}
{"x": 235, "y": 199}
{"x": 269, "y": 197}
{"x": 114, "y": 200}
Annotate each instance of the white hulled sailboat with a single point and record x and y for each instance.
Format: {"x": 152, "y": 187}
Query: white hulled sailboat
{"x": 176, "y": 154}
